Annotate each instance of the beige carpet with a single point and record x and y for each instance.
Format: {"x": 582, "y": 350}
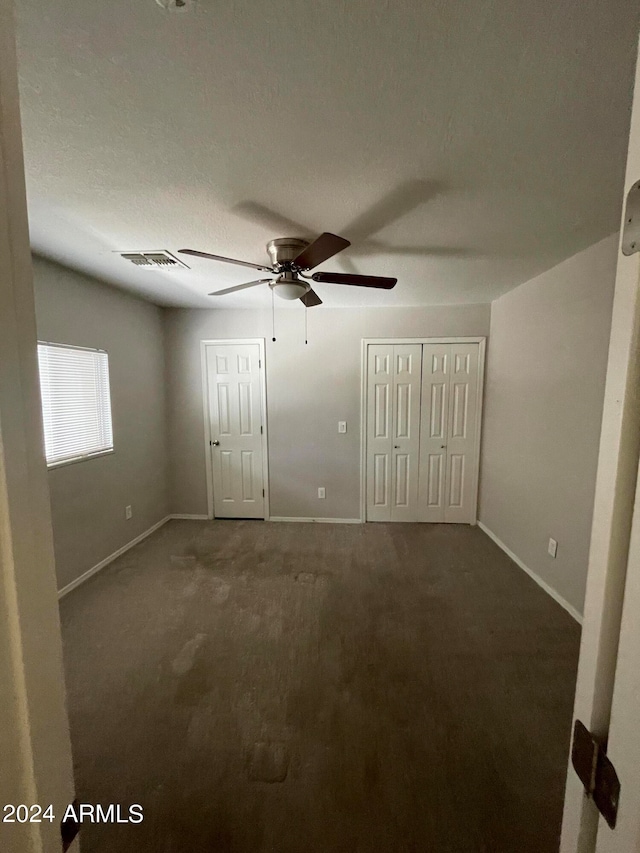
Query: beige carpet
{"x": 303, "y": 688}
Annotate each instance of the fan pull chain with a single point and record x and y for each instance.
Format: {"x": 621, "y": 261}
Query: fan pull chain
{"x": 273, "y": 316}
{"x": 305, "y": 325}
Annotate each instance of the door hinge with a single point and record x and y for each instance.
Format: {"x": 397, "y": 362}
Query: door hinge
{"x": 263, "y": 493}
{"x": 596, "y": 772}
{"x": 260, "y": 430}
{"x": 259, "y": 363}
{"x": 631, "y": 229}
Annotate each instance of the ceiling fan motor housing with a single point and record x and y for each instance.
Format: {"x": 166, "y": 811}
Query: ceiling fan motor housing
{"x": 283, "y": 250}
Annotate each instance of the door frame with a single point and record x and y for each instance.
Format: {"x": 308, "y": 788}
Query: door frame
{"x": 482, "y": 346}
{"x": 263, "y": 414}
{"x": 610, "y": 545}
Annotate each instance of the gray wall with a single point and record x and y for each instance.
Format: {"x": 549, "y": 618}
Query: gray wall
{"x": 309, "y": 389}
{"x": 544, "y": 391}
{"x": 88, "y": 498}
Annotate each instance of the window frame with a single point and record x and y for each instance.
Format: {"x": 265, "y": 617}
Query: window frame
{"x": 61, "y": 463}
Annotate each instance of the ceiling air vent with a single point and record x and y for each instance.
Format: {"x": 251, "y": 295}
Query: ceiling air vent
{"x": 160, "y": 259}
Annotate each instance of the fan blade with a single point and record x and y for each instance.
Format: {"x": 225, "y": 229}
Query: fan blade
{"x": 310, "y": 299}
{"x": 358, "y": 280}
{"x": 325, "y": 247}
{"x": 239, "y": 287}
{"x": 197, "y": 254}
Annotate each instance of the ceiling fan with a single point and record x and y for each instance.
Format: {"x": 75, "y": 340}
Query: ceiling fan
{"x": 291, "y": 257}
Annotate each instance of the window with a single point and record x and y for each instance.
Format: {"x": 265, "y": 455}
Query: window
{"x": 76, "y": 403}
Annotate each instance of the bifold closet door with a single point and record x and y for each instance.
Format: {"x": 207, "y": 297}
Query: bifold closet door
{"x": 448, "y": 432}
{"x": 393, "y": 423}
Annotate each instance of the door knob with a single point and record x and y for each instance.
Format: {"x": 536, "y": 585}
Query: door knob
{"x": 396, "y": 447}
{"x": 443, "y": 447}
{"x": 215, "y": 443}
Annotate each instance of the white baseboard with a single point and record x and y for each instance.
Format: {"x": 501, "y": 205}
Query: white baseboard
{"x": 273, "y": 518}
{"x": 94, "y": 569}
{"x": 318, "y": 520}
{"x": 189, "y": 517}
{"x": 545, "y": 586}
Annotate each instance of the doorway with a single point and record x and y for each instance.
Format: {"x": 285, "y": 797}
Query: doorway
{"x": 234, "y": 393}
{"x": 422, "y": 404}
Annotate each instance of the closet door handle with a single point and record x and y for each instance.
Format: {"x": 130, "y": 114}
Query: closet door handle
{"x": 443, "y": 447}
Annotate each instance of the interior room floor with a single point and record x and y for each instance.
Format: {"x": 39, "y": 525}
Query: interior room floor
{"x": 315, "y": 688}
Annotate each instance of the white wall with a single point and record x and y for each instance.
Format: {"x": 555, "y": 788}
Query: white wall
{"x": 544, "y": 391}
{"x": 88, "y": 498}
{"x": 309, "y": 389}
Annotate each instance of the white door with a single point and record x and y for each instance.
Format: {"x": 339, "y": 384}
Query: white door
{"x": 449, "y": 433}
{"x": 393, "y": 423}
{"x": 623, "y": 746}
{"x": 607, "y": 696}
{"x": 235, "y": 426}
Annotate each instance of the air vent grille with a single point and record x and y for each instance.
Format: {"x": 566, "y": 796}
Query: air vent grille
{"x": 153, "y": 260}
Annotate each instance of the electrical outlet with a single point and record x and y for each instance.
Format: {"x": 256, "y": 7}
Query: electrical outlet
{"x": 553, "y": 548}
{"x": 342, "y": 426}
{"x": 128, "y": 512}
{"x": 321, "y": 492}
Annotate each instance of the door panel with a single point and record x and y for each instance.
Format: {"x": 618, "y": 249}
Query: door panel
{"x": 225, "y": 487}
{"x": 246, "y": 408}
{"x": 437, "y": 421}
{"x": 380, "y": 476}
{"x": 405, "y": 419}
{"x": 246, "y": 466}
{"x": 393, "y": 423}
{"x": 224, "y": 421}
{"x": 461, "y": 438}
{"x": 456, "y": 480}
{"x": 435, "y": 485}
{"x": 402, "y": 479}
{"x": 459, "y": 412}
{"x": 381, "y": 422}
{"x": 433, "y": 437}
{"x": 403, "y": 410}
{"x": 379, "y": 396}
{"x": 448, "y": 464}
{"x": 235, "y": 420}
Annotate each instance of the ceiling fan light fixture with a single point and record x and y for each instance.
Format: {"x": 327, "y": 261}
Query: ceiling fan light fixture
{"x": 288, "y": 288}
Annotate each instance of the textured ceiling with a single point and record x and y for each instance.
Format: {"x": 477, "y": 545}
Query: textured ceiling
{"x": 462, "y": 146}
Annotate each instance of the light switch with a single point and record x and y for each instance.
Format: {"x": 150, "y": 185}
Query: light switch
{"x": 553, "y": 547}
{"x": 342, "y": 426}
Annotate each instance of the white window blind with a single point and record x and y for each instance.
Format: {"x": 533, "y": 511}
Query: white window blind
{"x": 76, "y": 402}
